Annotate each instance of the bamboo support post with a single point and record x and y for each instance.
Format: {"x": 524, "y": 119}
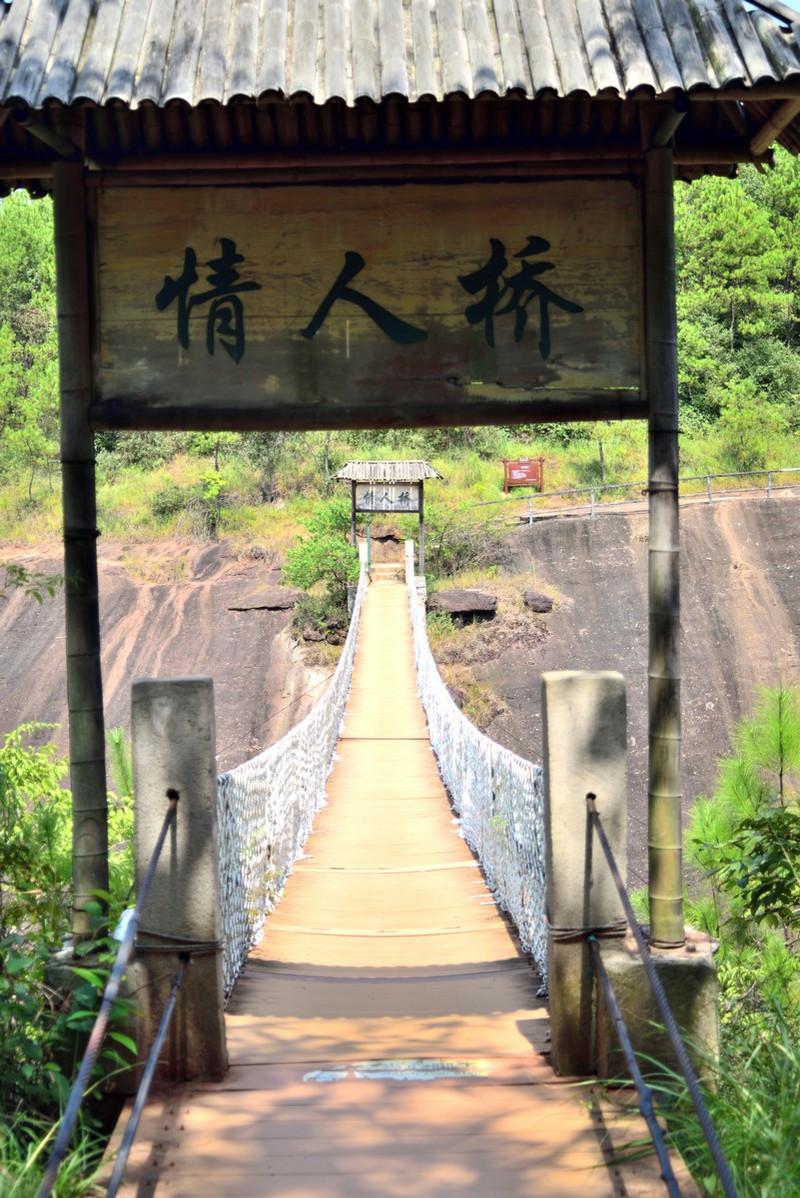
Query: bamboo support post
{"x": 84, "y": 681}
{"x": 353, "y": 530}
{"x": 421, "y": 529}
{"x": 664, "y": 801}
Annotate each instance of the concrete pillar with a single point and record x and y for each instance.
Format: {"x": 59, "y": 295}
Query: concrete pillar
{"x": 585, "y": 744}
{"x": 174, "y": 748}
{"x": 689, "y": 977}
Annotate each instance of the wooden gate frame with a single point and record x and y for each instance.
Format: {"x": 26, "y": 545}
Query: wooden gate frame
{"x": 85, "y": 694}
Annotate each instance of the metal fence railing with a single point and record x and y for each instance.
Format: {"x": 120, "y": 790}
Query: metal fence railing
{"x": 681, "y": 1055}
{"x": 601, "y": 496}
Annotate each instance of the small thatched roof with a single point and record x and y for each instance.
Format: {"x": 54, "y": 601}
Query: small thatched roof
{"x": 387, "y": 472}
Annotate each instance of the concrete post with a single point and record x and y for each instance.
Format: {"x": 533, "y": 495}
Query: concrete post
{"x": 585, "y": 743}
{"x": 174, "y": 748}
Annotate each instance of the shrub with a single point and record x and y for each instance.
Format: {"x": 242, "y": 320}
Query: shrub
{"x": 38, "y": 1028}
{"x": 324, "y": 556}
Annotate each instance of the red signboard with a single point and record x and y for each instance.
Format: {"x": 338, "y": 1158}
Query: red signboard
{"x": 523, "y": 472}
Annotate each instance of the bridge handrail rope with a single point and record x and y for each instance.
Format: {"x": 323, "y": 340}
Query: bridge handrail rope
{"x": 266, "y": 807}
{"x": 681, "y": 1055}
{"x": 97, "y": 1035}
{"x": 498, "y": 796}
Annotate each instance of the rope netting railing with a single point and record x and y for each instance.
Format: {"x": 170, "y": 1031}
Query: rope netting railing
{"x": 498, "y": 796}
{"x": 266, "y": 807}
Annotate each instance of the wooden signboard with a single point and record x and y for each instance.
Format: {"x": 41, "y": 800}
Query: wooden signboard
{"x": 387, "y": 497}
{"x": 523, "y": 472}
{"x": 322, "y": 306}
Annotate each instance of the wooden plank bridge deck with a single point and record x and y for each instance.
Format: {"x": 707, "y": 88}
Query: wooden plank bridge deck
{"x": 386, "y": 1037}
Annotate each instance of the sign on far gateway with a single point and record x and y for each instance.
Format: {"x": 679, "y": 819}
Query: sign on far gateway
{"x": 316, "y": 306}
{"x": 387, "y": 497}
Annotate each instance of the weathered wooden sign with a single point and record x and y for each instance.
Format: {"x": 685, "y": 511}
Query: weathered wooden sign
{"x": 387, "y": 497}
{"x": 366, "y": 306}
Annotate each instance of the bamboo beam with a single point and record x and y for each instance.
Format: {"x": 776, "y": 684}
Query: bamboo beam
{"x": 339, "y": 162}
{"x": 386, "y": 173}
{"x": 773, "y": 128}
{"x": 664, "y": 718}
{"x": 482, "y": 157}
{"x": 63, "y": 145}
{"x": 353, "y": 514}
{"x": 84, "y": 682}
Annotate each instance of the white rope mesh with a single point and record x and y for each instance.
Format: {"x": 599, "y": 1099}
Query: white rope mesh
{"x": 497, "y": 795}
{"x": 266, "y": 808}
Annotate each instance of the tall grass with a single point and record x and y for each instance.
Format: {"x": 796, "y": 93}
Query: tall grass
{"x": 755, "y": 1105}
{"x": 25, "y": 1143}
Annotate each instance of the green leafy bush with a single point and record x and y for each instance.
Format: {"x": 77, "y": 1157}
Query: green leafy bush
{"x": 202, "y": 503}
{"x": 42, "y": 1030}
{"x": 746, "y": 840}
{"x": 324, "y": 556}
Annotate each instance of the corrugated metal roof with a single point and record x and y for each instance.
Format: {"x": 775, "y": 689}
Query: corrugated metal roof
{"x": 136, "y": 52}
{"x": 387, "y": 472}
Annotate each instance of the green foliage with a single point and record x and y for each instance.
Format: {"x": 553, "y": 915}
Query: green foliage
{"x": 28, "y": 348}
{"x": 728, "y": 258}
{"x": 42, "y": 1031}
{"x": 34, "y": 836}
{"x": 755, "y": 1105}
{"x": 202, "y": 502}
{"x": 215, "y": 445}
{"x": 211, "y": 500}
{"x": 26, "y": 1140}
{"x": 324, "y": 614}
{"x": 120, "y": 760}
{"x": 324, "y": 556}
{"x": 748, "y": 426}
{"x": 32, "y": 583}
{"x": 746, "y": 840}
{"x": 464, "y": 539}
{"x": 440, "y": 625}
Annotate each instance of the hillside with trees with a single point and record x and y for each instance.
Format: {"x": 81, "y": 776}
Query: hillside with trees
{"x": 738, "y": 243}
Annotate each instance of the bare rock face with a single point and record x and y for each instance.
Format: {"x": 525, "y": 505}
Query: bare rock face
{"x": 461, "y": 601}
{"x": 536, "y": 601}
{"x": 167, "y": 609}
{"x": 266, "y": 598}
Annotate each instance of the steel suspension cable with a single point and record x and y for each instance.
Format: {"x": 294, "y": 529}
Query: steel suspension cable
{"x": 147, "y": 1078}
{"x": 682, "y": 1056}
{"x": 646, "y": 1106}
{"x": 110, "y": 994}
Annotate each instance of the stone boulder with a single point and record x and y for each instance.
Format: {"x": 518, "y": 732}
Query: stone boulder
{"x": 267, "y": 598}
{"x": 464, "y": 603}
{"x": 536, "y": 601}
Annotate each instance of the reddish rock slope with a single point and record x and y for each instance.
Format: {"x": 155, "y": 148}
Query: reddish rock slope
{"x": 166, "y": 609}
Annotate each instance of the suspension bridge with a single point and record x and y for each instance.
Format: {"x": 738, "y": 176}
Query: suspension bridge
{"x": 386, "y": 1029}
